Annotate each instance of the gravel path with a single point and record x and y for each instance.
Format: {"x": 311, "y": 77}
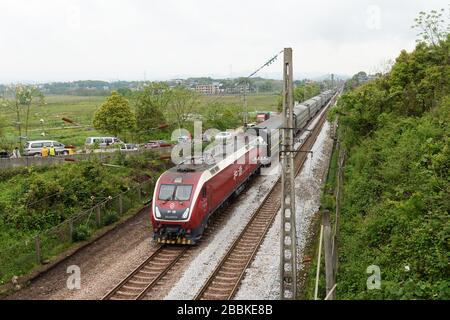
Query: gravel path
{"x": 103, "y": 264}
{"x": 262, "y": 278}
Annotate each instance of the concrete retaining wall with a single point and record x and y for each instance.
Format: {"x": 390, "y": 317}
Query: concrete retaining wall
{"x": 39, "y": 161}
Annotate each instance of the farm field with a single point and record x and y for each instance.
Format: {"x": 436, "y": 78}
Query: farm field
{"x": 78, "y": 109}
{"x": 81, "y": 109}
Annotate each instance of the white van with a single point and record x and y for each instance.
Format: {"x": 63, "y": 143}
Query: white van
{"x": 102, "y": 141}
{"x": 34, "y": 148}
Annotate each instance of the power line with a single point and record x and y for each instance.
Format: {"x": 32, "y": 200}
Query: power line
{"x": 241, "y": 81}
{"x": 266, "y": 64}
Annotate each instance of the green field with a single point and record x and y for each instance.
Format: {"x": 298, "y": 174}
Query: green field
{"x": 255, "y": 102}
{"x": 78, "y": 109}
{"x": 81, "y": 109}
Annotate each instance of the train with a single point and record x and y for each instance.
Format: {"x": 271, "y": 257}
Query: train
{"x": 187, "y": 195}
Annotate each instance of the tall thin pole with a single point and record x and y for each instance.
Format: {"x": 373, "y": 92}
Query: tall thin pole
{"x": 328, "y": 244}
{"x": 245, "y": 107}
{"x": 288, "y": 241}
{"x": 316, "y": 288}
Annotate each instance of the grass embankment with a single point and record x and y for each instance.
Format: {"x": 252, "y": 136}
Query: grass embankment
{"x": 395, "y": 210}
{"x": 34, "y": 200}
{"x": 396, "y": 192}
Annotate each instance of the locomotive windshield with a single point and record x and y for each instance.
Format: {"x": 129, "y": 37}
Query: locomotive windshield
{"x": 171, "y": 192}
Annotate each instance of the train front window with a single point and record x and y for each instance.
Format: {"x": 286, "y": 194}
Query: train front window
{"x": 183, "y": 193}
{"x": 166, "y": 192}
{"x": 171, "y": 192}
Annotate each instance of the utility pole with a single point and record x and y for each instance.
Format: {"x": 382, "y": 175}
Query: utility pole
{"x": 245, "y": 107}
{"x": 288, "y": 241}
{"x": 328, "y": 245}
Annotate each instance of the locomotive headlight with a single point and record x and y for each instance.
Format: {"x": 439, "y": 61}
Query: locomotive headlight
{"x": 157, "y": 212}
{"x": 185, "y": 213}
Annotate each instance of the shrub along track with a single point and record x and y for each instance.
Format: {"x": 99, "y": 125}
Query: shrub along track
{"x": 226, "y": 278}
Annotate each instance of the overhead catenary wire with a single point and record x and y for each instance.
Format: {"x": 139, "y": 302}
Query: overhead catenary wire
{"x": 244, "y": 79}
{"x": 240, "y": 82}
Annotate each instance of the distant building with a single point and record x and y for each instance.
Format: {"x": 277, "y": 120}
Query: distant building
{"x": 239, "y": 89}
{"x": 207, "y": 89}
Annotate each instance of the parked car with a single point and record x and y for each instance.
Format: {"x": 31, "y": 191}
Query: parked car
{"x": 262, "y": 116}
{"x": 157, "y": 144}
{"x": 183, "y": 139}
{"x": 129, "y": 147}
{"x": 223, "y": 136}
{"x": 4, "y": 154}
{"x": 33, "y": 148}
{"x": 102, "y": 141}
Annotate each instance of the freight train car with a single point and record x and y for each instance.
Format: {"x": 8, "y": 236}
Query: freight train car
{"x": 303, "y": 113}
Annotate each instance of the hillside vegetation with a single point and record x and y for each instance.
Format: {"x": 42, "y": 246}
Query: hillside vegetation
{"x": 35, "y": 200}
{"x": 396, "y": 204}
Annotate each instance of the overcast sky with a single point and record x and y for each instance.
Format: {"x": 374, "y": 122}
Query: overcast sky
{"x": 57, "y": 40}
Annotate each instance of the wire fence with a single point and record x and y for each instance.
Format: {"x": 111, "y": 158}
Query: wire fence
{"x": 329, "y": 231}
{"x": 41, "y": 248}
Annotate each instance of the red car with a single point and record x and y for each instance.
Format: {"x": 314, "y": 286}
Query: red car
{"x": 157, "y": 144}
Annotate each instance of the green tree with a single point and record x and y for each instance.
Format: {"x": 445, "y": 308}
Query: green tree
{"x": 125, "y": 92}
{"x": 357, "y": 80}
{"x": 432, "y": 27}
{"x": 2, "y": 126}
{"x": 267, "y": 86}
{"x": 420, "y": 79}
{"x": 183, "y": 102}
{"x": 150, "y": 104}
{"x": 306, "y": 91}
{"x": 280, "y": 102}
{"x": 221, "y": 116}
{"x": 20, "y": 99}
{"x": 115, "y": 115}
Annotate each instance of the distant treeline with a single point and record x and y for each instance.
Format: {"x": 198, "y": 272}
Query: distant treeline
{"x": 104, "y": 88}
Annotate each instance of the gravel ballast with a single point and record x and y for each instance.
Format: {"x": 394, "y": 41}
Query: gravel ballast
{"x": 262, "y": 278}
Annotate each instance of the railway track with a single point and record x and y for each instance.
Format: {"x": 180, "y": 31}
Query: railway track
{"x": 226, "y": 278}
{"x": 140, "y": 283}
{"x": 146, "y": 276}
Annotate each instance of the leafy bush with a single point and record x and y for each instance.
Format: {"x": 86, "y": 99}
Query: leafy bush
{"x": 396, "y": 204}
{"x": 110, "y": 218}
{"x": 82, "y": 233}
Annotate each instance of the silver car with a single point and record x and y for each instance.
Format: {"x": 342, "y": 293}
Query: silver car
{"x": 34, "y": 148}
{"x": 129, "y": 147}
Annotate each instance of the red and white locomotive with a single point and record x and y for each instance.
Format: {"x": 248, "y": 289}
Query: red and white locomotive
{"x": 187, "y": 195}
